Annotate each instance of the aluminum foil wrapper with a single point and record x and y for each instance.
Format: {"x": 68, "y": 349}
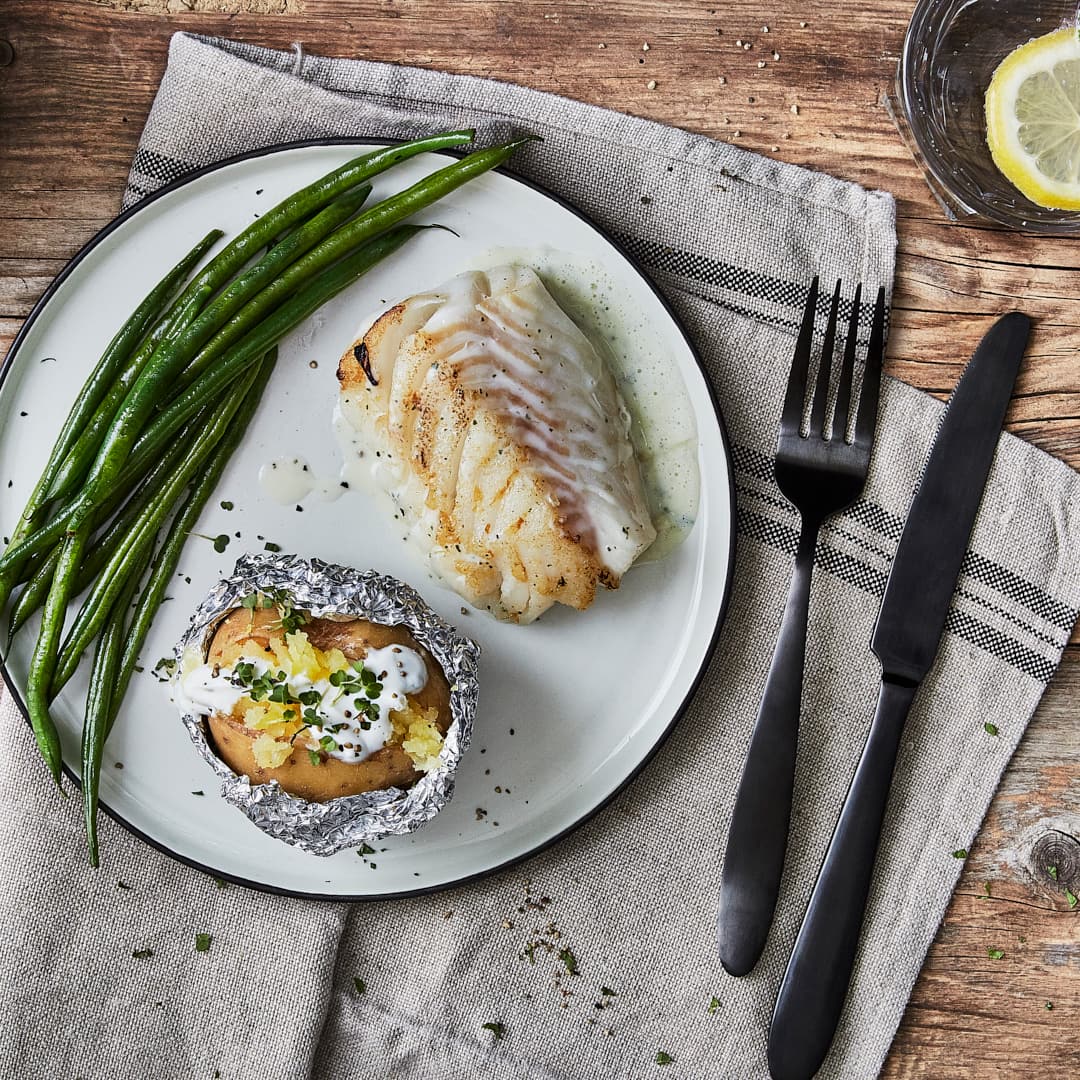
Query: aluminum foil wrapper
{"x": 328, "y": 590}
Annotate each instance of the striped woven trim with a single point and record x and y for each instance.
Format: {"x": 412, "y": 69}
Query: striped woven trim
{"x": 994, "y": 609}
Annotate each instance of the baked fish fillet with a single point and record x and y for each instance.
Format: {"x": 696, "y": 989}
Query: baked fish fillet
{"x": 500, "y": 435}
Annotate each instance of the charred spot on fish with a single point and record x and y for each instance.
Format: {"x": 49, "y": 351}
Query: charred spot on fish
{"x": 360, "y": 354}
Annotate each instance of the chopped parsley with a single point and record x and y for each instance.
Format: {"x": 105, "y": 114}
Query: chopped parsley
{"x": 221, "y": 883}
{"x": 1071, "y": 898}
{"x": 202, "y": 942}
{"x": 1052, "y": 871}
{"x": 142, "y": 954}
{"x": 1049, "y": 1006}
{"x": 226, "y": 505}
{"x": 314, "y": 758}
{"x": 203, "y": 793}
{"x": 607, "y": 991}
{"x": 990, "y": 729}
{"x": 568, "y": 958}
{"x": 960, "y": 853}
{"x": 496, "y": 1029}
{"x": 271, "y": 546}
{"x": 366, "y": 849}
{"x": 664, "y": 1058}
{"x": 167, "y": 665}
{"x": 361, "y": 986}
{"x": 714, "y": 1004}
{"x": 995, "y": 954}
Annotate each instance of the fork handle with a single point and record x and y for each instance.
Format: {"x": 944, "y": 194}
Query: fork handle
{"x": 757, "y": 839}
{"x": 815, "y": 984}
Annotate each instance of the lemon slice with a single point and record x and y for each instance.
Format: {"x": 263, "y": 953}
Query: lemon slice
{"x": 1033, "y": 119}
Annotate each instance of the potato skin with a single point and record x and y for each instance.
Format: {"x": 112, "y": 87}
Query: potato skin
{"x": 243, "y": 631}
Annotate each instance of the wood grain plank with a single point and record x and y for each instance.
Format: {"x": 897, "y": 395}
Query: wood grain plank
{"x": 71, "y": 108}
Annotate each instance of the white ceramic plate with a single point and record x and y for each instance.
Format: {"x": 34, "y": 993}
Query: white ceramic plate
{"x": 571, "y": 707}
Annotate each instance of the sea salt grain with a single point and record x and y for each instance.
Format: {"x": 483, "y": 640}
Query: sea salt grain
{"x": 651, "y": 84}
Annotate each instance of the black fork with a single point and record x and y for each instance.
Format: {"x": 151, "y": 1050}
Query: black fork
{"x": 820, "y": 474}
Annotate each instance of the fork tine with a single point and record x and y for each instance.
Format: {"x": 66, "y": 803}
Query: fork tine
{"x": 791, "y": 417}
{"x": 868, "y": 402}
{"x": 821, "y": 391}
{"x": 847, "y": 371}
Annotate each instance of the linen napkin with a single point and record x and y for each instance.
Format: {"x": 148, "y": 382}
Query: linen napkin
{"x": 474, "y": 982}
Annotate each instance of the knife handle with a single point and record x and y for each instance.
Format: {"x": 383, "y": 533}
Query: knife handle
{"x": 816, "y": 981}
{"x": 757, "y": 838}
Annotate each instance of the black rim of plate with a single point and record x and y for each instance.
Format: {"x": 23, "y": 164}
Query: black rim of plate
{"x": 543, "y": 845}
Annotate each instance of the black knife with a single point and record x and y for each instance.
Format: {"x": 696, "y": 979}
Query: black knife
{"x": 909, "y": 626}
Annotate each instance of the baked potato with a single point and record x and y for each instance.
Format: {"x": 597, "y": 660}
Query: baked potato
{"x": 263, "y": 734}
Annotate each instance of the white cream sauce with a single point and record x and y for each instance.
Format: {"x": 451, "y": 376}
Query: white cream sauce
{"x": 662, "y": 427}
{"x": 206, "y": 689}
{"x": 291, "y": 480}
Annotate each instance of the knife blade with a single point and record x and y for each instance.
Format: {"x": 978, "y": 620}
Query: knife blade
{"x": 905, "y": 640}
{"x": 934, "y": 541}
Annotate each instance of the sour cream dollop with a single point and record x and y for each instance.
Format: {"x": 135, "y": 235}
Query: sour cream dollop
{"x": 205, "y": 689}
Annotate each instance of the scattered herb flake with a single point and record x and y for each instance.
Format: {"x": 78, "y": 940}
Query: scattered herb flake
{"x": 221, "y": 542}
{"x": 1052, "y": 871}
{"x": 366, "y": 849}
{"x": 990, "y": 729}
{"x": 664, "y": 1058}
{"x": 496, "y": 1029}
{"x": 1049, "y": 1006}
{"x": 960, "y": 853}
{"x": 270, "y": 546}
{"x": 202, "y": 942}
{"x": 714, "y": 1004}
{"x": 313, "y": 757}
{"x": 199, "y": 793}
{"x": 221, "y": 883}
{"x": 226, "y": 505}
{"x": 1069, "y": 895}
{"x": 122, "y": 885}
{"x": 995, "y": 954}
{"x": 142, "y": 954}
{"x": 568, "y": 958}
{"x": 361, "y": 986}
{"x": 167, "y": 664}
{"x": 607, "y": 991}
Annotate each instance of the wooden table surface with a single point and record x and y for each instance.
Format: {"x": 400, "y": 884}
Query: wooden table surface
{"x": 75, "y": 88}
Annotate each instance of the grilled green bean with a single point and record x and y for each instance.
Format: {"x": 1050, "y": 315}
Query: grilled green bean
{"x": 187, "y": 518}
